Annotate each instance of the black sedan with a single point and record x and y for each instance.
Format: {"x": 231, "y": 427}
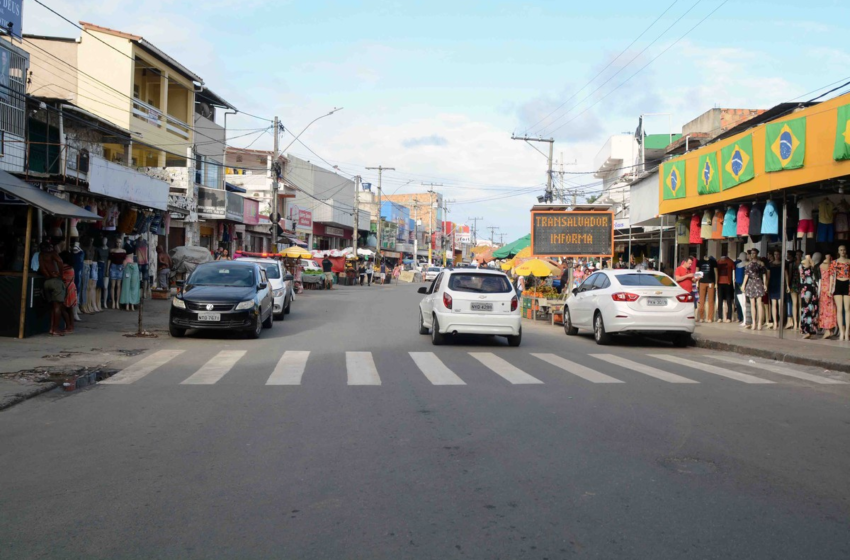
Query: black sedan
{"x": 229, "y": 295}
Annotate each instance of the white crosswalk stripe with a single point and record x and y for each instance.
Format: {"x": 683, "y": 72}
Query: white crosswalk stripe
{"x": 215, "y": 369}
{"x": 434, "y": 369}
{"x": 142, "y": 368}
{"x": 509, "y": 372}
{"x": 708, "y": 368}
{"x": 647, "y": 370}
{"x": 781, "y": 370}
{"x": 361, "y": 369}
{"x": 289, "y": 369}
{"x": 576, "y": 369}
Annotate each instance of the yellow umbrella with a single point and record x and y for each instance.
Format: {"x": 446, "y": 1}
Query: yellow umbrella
{"x": 524, "y": 254}
{"x": 295, "y": 252}
{"x": 536, "y": 267}
{"x": 507, "y": 265}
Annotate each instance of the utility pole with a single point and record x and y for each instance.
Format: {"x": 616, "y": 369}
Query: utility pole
{"x": 502, "y": 239}
{"x": 474, "y": 229}
{"x": 415, "y": 232}
{"x": 446, "y": 238}
{"x": 275, "y": 188}
{"x": 431, "y": 219}
{"x": 492, "y": 229}
{"x": 356, "y": 212}
{"x": 380, "y": 174}
{"x": 551, "y": 141}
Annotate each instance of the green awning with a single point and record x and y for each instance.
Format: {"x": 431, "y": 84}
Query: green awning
{"x": 512, "y": 248}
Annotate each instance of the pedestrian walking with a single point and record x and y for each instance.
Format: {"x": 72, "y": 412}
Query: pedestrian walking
{"x": 50, "y": 266}
{"x": 370, "y": 271}
{"x": 383, "y": 273}
{"x": 327, "y": 270}
{"x": 163, "y": 266}
{"x": 396, "y": 273}
{"x": 361, "y": 271}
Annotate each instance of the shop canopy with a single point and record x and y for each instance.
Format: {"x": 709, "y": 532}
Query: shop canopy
{"x": 45, "y": 201}
{"x": 512, "y": 248}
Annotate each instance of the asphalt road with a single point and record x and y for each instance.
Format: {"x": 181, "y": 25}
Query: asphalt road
{"x": 519, "y": 458}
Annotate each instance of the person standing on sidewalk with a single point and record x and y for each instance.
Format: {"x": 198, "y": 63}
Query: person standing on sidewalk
{"x": 361, "y": 271}
{"x": 50, "y": 266}
{"x": 707, "y": 282}
{"x": 684, "y": 276}
{"x": 370, "y": 271}
{"x": 327, "y": 270}
{"x": 383, "y": 272}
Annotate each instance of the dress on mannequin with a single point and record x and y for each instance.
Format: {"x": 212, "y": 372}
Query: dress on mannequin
{"x": 808, "y": 298}
{"x": 116, "y": 271}
{"x": 826, "y": 309}
{"x": 102, "y": 257}
{"x": 841, "y": 293}
{"x": 130, "y": 285}
{"x": 755, "y": 289}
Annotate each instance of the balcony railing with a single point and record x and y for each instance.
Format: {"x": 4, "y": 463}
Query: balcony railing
{"x": 155, "y": 117}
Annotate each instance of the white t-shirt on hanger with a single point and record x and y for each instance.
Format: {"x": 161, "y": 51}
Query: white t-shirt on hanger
{"x": 805, "y": 207}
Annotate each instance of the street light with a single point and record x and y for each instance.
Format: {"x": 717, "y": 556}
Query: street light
{"x": 335, "y": 109}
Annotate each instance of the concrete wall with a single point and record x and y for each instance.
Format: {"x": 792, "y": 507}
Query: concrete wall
{"x": 715, "y": 122}
{"x": 51, "y": 78}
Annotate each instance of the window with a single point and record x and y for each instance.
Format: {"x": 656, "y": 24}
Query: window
{"x": 239, "y": 276}
{"x": 272, "y": 270}
{"x": 479, "y": 283}
{"x": 602, "y": 283}
{"x": 645, "y": 280}
{"x": 436, "y": 285}
{"x": 588, "y": 283}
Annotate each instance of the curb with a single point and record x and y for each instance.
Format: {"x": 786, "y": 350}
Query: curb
{"x": 700, "y": 342}
{"x": 26, "y": 395}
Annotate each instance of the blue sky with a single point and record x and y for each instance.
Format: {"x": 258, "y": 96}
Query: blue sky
{"x": 436, "y": 88}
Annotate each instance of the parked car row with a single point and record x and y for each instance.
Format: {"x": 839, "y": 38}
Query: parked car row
{"x": 245, "y": 295}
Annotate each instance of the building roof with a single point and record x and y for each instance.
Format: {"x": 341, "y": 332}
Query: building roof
{"x": 146, "y": 45}
{"x": 213, "y": 98}
{"x": 659, "y": 141}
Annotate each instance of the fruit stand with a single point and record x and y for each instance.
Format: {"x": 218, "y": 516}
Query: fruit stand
{"x": 541, "y": 303}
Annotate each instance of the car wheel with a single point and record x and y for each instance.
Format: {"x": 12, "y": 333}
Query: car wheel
{"x": 682, "y": 340}
{"x": 602, "y": 337}
{"x": 254, "y": 334}
{"x": 437, "y": 338}
{"x": 568, "y": 323}
{"x": 269, "y": 322}
{"x": 176, "y": 332}
{"x": 515, "y": 340}
{"x": 288, "y": 307}
{"x": 422, "y": 328}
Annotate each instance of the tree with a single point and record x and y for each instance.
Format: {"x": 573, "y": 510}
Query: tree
{"x": 591, "y": 199}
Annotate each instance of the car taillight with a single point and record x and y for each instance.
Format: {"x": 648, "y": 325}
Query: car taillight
{"x": 624, "y": 296}
{"x": 514, "y": 303}
{"x": 686, "y": 298}
{"x": 447, "y": 300}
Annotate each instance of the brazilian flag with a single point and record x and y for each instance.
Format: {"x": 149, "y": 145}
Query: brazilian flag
{"x": 674, "y": 180}
{"x": 736, "y": 162}
{"x": 785, "y": 145}
{"x": 708, "y": 178}
{"x": 842, "y": 134}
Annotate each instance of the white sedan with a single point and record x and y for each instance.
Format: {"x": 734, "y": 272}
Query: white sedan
{"x": 431, "y": 273}
{"x": 470, "y": 301}
{"x": 630, "y": 301}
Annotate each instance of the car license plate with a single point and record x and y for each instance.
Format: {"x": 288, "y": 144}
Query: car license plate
{"x": 209, "y": 316}
{"x": 481, "y": 306}
{"x": 656, "y": 301}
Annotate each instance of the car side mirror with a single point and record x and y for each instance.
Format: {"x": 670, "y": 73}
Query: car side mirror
{"x": 262, "y": 286}
{"x": 288, "y": 278}
{"x": 575, "y": 291}
{"x": 423, "y": 290}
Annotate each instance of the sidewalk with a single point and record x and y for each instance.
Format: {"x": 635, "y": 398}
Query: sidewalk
{"x": 27, "y": 366}
{"x": 833, "y": 355}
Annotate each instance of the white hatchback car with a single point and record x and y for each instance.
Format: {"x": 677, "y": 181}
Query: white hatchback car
{"x": 431, "y": 273}
{"x": 281, "y": 284}
{"x": 470, "y": 301}
{"x": 630, "y": 301}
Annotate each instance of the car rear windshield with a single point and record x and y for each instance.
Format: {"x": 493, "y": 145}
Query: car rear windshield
{"x": 272, "y": 270}
{"x": 239, "y": 276}
{"x": 433, "y": 269}
{"x": 479, "y": 283}
{"x": 645, "y": 280}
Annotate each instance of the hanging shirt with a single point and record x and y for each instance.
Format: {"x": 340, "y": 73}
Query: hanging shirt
{"x": 825, "y": 211}
{"x": 756, "y": 213}
{"x": 730, "y": 222}
{"x": 725, "y": 270}
{"x": 717, "y": 225}
{"x": 744, "y": 220}
{"x": 805, "y": 208}
{"x": 705, "y": 228}
{"x": 695, "y": 236}
{"x": 791, "y": 220}
{"x": 110, "y": 221}
{"x": 682, "y": 232}
{"x": 770, "y": 220}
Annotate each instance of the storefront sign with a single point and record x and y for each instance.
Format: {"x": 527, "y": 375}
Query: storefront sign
{"x": 211, "y": 203}
{"x": 251, "y": 211}
{"x": 336, "y": 232}
{"x": 303, "y": 218}
{"x": 118, "y": 182}
{"x": 235, "y": 207}
{"x": 11, "y": 18}
{"x": 182, "y": 202}
{"x": 572, "y": 234}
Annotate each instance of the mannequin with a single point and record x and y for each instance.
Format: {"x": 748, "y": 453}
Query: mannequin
{"x": 90, "y": 304}
{"x": 81, "y": 278}
{"x": 754, "y": 287}
{"x": 117, "y": 254}
{"x": 793, "y": 275}
{"x": 775, "y": 289}
{"x": 841, "y": 293}
{"x": 129, "y": 290}
{"x": 740, "y": 267}
{"x": 142, "y": 259}
{"x": 808, "y": 297}
{"x": 826, "y": 302}
{"x": 101, "y": 255}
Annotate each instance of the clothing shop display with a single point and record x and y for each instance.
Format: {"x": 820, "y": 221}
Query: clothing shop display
{"x": 70, "y": 287}
{"x": 826, "y": 215}
{"x": 717, "y": 225}
{"x": 841, "y": 222}
{"x": 808, "y": 300}
{"x": 743, "y": 226}
{"x": 770, "y": 219}
{"x": 110, "y": 218}
{"x": 827, "y": 318}
{"x": 774, "y": 280}
{"x": 755, "y": 287}
{"x": 754, "y": 229}
{"x": 707, "y": 266}
{"x": 730, "y": 222}
{"x": 126, "y": 221}
{"x": 130, "y": 292}
{"x": 695, "y": 237}
{"x": 792, "y": 219}
{"x": 725, "y": 289}
{"x": 806, "y": 225}
{"x": 705, "y": 224}
{"x": 842, "y": 287}
{"x": 682, "y": 231}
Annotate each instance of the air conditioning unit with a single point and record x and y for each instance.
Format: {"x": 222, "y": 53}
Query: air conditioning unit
{"x": 205, "y": 110}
